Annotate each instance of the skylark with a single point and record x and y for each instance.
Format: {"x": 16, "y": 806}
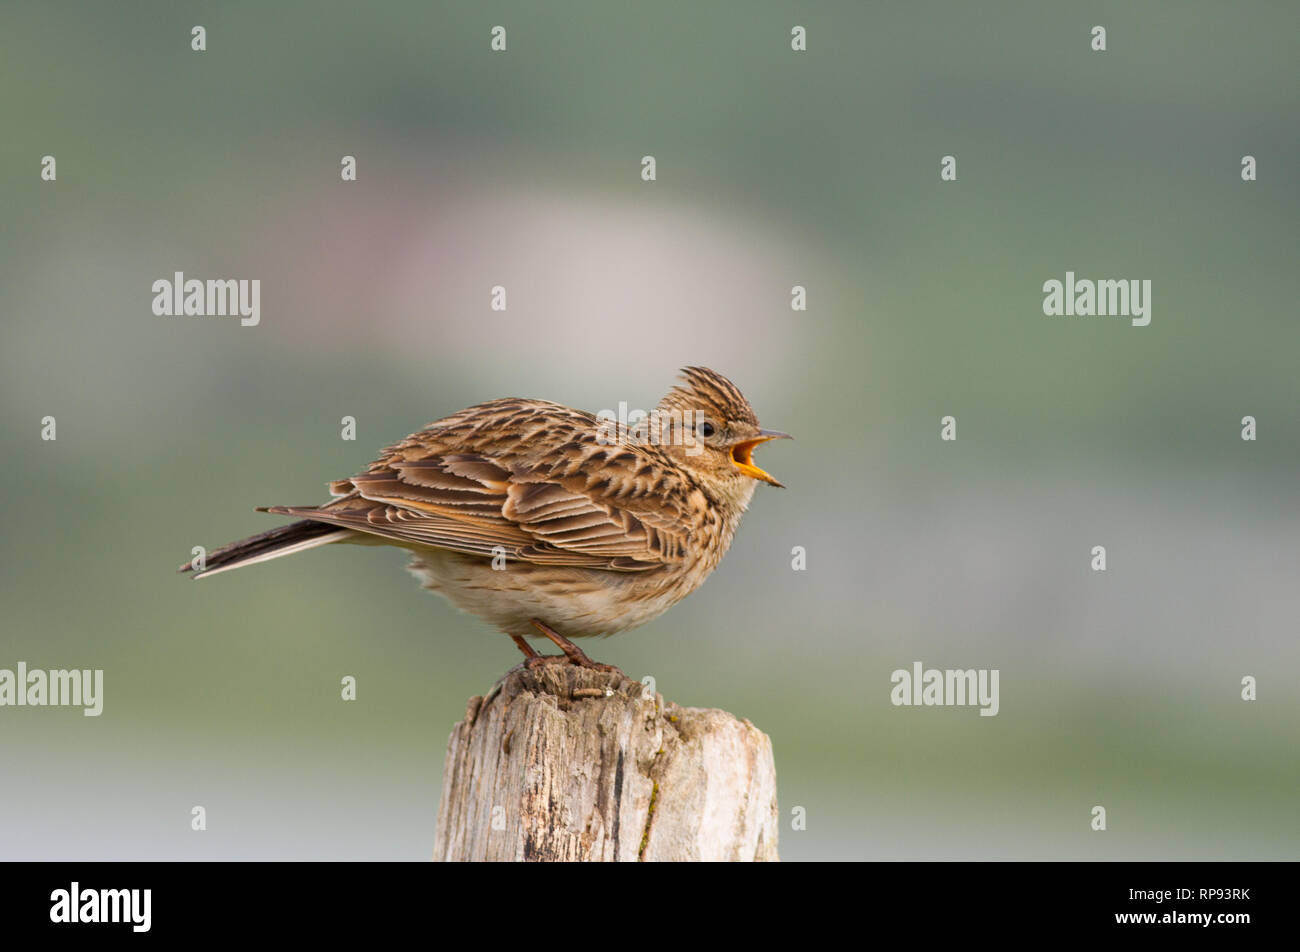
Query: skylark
{"x": 543, "y": 519}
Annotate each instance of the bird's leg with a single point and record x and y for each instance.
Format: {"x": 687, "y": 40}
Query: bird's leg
{"x": 571, "y": 651}
{"x": 525, "y": 647}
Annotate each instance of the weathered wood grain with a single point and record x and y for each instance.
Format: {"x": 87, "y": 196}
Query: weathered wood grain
{"x": 561, "y": 763}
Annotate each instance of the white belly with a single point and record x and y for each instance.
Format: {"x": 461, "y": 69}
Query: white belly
{"x": 575, "y": 602}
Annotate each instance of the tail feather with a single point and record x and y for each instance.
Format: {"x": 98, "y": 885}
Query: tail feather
{"x": 272, "y": 544}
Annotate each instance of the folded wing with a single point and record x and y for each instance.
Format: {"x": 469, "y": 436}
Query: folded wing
{"x": 524, "y": 478}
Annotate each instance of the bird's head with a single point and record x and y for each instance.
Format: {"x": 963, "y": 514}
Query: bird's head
{"x": 710, "y": 428}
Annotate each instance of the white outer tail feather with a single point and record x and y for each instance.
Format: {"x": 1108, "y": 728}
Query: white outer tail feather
{"x": 297, "y": 547}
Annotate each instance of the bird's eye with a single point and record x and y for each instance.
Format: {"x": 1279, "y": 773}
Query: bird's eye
{"x": 706, "y": 429}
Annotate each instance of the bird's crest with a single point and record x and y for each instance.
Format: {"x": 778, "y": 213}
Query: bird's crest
{"x": 707, "y": 390}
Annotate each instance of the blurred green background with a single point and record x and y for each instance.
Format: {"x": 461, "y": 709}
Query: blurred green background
{"x": 775, "y": 168}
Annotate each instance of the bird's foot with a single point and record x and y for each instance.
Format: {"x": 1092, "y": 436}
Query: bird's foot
{"x": 541, "y": 660}
{"x": 572, "y": 653}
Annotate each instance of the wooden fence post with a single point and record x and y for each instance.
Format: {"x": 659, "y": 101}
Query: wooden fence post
{"x": 562, "y": 763}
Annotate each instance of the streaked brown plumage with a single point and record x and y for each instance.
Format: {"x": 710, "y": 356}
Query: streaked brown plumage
{"x": 537, "y": 517}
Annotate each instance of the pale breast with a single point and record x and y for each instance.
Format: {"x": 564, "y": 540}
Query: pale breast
{"x": 577, "y": 603}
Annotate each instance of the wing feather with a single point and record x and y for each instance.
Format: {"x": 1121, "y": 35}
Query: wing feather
{"x": 526, "y": 477}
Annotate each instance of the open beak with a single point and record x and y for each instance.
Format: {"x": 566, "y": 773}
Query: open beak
{"x": 742, "y": 455}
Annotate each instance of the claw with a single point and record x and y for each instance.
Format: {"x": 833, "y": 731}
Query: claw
{"x": 572, "y": 653}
